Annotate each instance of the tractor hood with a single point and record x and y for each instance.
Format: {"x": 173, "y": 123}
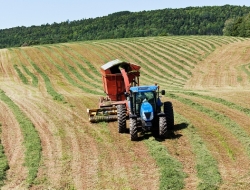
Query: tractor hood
{"x": 146, "y": 112}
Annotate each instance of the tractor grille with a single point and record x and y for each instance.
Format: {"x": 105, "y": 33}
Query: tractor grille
{"x": 147, "y": 114}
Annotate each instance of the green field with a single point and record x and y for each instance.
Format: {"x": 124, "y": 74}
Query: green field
{"x": 45, "y": 133}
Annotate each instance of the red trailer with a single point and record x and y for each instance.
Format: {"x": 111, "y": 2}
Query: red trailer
{"x": 117, "y": 77}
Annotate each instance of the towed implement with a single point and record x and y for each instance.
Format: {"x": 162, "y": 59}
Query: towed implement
{"x": 102, "y": 114}
{"x": 117, "y": 77}
{"x": 126, "y": 99}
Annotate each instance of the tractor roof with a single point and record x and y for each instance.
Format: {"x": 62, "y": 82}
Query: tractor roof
{"x": 144, "y": 88}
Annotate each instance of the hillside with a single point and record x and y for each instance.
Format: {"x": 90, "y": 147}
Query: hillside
{"x": 206, "y": 20}
{"x": 49, "y": 143}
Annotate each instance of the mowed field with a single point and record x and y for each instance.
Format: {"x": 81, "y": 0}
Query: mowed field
{"x": 47, "y": 141}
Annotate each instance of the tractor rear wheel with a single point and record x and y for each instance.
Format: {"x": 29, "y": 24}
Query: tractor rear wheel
{"x": 168, "y": 110}
{"x": 163, "y": 128}
{"x": 133, "y": 129}
{"x": 121, "y": 117}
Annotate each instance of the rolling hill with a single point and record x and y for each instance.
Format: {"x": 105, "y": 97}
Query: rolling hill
{"x": 47, "y": 141}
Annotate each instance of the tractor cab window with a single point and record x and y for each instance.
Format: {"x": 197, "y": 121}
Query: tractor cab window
{"x": 151, "y": 98}
{"x": 140, "y": 97}
{"x": 143, "y": 97}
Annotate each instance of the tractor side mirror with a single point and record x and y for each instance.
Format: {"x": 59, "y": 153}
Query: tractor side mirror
{"x": 163, "y": 92}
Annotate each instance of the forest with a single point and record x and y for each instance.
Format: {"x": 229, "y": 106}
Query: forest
{"x": 207, "y": 20}
{"x": 238, "y": 26}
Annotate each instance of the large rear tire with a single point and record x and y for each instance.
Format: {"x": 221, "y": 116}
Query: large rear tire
{"x": 168, "y": 110}
{"x": 133, "y": 129}
{"x": 163, "y": 128}
{"x": 121, "y": 117}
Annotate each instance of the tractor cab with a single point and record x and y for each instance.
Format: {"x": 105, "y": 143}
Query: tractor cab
{"x": 144, "y": 101}
{"x": 145, "y": 111}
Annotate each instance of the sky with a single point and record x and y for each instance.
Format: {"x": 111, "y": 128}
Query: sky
{"x": 15, "y": 13}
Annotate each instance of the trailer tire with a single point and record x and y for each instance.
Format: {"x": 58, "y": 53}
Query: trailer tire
{"x": 121, "y": 117}
{"x": 133, "y": 129}
{"x": 163, "y": 128}
{"x": 168, "y": 110}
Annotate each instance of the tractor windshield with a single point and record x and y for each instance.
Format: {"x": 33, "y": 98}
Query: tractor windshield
{"x": 141, "y": 97}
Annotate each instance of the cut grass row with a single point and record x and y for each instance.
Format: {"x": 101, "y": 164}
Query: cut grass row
{"x": 148, "y": 77}
{"x": 3, "y": 160}
{"x": 32, "y": 142}
{"x": 97, "y": 51}
{"x": 147, "y": 57}
{"x": 66, "y": 65}
{"x": 180, "y": 64}
{"x": 48, "y": 84}
{"x": 146, "y": 66}
{"x": 182, "y": 46}
{"x": 67, "y": 75}
{"x": 233, "y": 127}
{"x": 21, "y": 75}
{"x": 174, "y": 51}
{"x": 203, "y": 44}
{"x": 219, "y": 100}
{"x": 206, "y": 166}
{"x": 140, "y": 39}
{"x": 172, "y": 47}
{"x": 32, "y": 75}
{"x": 49, "y": 87}
{"x": 138, "y": 58}
{"x": 246, "y": 69}
{"x": 225, "y": 39}
{"x": 82, "y": 58}
{"x": 220, "y": 41}
{"x": 145, "y": 77}
{"x": 211, "y": 45}
{"x": 207, "y": 46}
{"x": 85, "y": 69}
{"x": 196, "y": 45}
{"x": 171, "y": 172}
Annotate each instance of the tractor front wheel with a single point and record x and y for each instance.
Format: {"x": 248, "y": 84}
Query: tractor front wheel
{"x": 133, "y": 129}
{"x": 121, "y": 115}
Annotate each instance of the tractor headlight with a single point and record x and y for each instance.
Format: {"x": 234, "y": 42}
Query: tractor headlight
{"x": 146, "y": 116}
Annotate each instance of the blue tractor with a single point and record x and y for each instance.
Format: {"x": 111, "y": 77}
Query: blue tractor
{"x": 126, "y": 99}
{"x": 145, "y": 112}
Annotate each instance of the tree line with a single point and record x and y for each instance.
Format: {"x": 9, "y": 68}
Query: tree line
{"x": 207, "y": 20}
{"x": 238, "y": 26}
